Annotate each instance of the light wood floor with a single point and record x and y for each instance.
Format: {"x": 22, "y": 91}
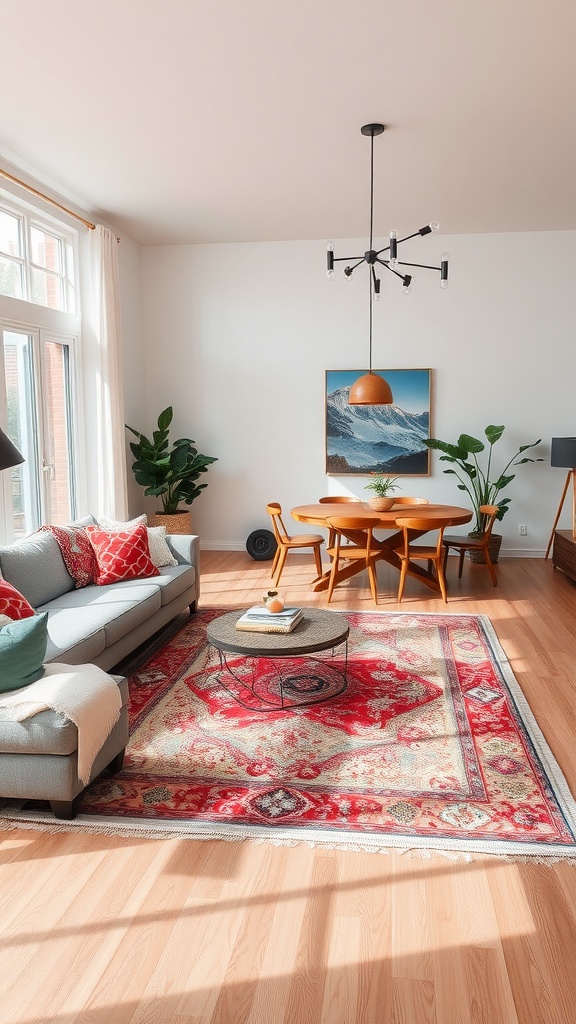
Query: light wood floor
{"x": 111, "y": 931}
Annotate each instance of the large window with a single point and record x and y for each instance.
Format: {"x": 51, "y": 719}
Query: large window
{"x": 39, "y": 333}
{"x": 36, "y": 261}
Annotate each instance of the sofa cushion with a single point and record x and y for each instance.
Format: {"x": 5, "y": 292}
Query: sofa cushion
{"x": 121, "y": 555}
{"x": 76, "y": 644}
{"x": 171, "y": 582}
{"x": 130, "y": 610}
{"x": 160, "y": 553}
{"x": 119, "y": 524}
{"x": 22, "y": 651}
{"x": 12, "y": 603}
{"x": 175, "y": 580}
{"x": 84, "y": 521}
{"x": 36, "y": 568}
{"x": 95, "y": 617}
{"x": 47, "y": 732}
{"x": 77, "y": 552}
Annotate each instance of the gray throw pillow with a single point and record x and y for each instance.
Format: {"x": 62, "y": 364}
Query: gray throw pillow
{"x": 22, "y": 650}
{"x": 36, "y": 568}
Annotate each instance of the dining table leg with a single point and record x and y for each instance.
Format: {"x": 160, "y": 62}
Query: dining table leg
{"x": 385, "y": 550}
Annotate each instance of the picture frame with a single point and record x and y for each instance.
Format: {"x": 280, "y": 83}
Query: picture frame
{"x": 364, "y": 439}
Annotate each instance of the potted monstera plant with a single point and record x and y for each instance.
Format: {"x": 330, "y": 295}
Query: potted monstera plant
{"x": 169, "y": 471}
{"x": 478, "y": 478}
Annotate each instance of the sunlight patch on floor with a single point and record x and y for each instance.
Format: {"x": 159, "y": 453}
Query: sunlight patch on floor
{"x": 15, "y": 844}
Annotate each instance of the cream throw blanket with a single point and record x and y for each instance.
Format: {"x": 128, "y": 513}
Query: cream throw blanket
{"x": 83, "y": 693}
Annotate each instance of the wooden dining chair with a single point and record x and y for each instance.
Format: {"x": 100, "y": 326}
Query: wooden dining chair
{"x": 287, "y": 543}
{"x": 411, "y": 501}
{"x": 431, "y": 553}
{"x": 362, "y": 528}
{"x": 337, "y": 499}
{"x": 462, "y": 544}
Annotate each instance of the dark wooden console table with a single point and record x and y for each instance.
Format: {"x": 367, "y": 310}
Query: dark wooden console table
{"x": 564, "y": 553}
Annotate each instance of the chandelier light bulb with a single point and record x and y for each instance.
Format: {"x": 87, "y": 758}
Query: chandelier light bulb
{"x": 434, "y": 225}
{"x": 407, "y": 284}
{"x": 393, "y": 261}
{"x": 444, "y": 269}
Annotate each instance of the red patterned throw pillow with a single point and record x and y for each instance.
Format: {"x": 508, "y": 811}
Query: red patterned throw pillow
{"x": 122, "y": 555}
{"x": 12, "y": 603}
{"x": 77, "y": 552}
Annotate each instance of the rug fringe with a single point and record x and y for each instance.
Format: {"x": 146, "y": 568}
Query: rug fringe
{"x": 145, "y": 831}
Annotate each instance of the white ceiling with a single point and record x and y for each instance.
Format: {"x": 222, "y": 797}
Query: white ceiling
{"x": 239, "y": 120}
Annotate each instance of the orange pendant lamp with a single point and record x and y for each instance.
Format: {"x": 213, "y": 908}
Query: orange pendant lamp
{"x": 371, "y": 388}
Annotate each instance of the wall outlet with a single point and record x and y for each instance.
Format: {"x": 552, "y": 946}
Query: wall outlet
{"x": 523, "y": 530}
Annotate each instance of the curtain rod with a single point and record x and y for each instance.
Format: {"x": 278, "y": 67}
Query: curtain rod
{"x": 47, "y": 199}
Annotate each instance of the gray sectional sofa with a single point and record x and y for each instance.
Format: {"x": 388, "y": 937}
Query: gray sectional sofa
{"x": 100, "y": 624}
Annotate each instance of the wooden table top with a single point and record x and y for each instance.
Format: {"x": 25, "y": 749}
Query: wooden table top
{"x": 318, "y": 630}
{"x": 321, "y": 511}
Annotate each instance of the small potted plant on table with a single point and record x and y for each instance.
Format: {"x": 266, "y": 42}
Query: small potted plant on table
{"x": 477, "y": 480}
{"x": 383, "y": 487}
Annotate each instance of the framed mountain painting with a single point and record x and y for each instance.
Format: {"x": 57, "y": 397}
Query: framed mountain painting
{"x": 389, "y": 439}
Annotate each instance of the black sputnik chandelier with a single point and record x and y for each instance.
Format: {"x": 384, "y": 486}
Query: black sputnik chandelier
{"x": 371, "y": 388}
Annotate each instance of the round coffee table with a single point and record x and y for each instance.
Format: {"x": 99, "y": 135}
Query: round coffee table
{"x": 298, "y": 686}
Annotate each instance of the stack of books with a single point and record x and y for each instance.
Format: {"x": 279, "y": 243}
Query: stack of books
{"x": 259, "y": 620}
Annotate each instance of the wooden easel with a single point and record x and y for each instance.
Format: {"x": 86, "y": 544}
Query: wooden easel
{"x": 571, "y": 474}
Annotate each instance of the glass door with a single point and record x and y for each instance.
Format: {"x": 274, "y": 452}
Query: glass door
{"x": 38, "y": 410}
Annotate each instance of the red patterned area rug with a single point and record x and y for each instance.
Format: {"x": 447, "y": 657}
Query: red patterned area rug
{"x": 432, "y": 746}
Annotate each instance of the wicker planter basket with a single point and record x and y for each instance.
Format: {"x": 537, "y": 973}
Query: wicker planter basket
{"x": 494, "y": 546}
{"x": 175, "y": 522}
{"x": 381, "y": 504}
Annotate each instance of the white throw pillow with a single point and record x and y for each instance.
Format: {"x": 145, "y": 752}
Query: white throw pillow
{"x": 160, "y": 553}
{"x": 115, "y": 524}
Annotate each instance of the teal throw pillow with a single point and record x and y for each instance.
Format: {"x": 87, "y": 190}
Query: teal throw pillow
{"x": 22, "y": 650}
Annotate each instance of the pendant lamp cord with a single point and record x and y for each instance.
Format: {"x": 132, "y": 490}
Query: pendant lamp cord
{"x": 370, "y": 332}
{"x": 371, "y": 187}
{"x": 370, "y": 246}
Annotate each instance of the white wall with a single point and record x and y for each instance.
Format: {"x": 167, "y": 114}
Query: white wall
{"x": 238, "y": 337}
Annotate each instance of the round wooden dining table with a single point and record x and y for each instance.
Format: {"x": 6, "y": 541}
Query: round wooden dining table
{"x": 386, "y": 547}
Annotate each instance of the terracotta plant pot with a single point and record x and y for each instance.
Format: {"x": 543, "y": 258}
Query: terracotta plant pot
{"x": 175, "y": 522}
{"x": 381, "y": 504}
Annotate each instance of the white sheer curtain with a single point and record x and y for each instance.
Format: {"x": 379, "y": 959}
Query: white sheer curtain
{"x": 105, "y": 426}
